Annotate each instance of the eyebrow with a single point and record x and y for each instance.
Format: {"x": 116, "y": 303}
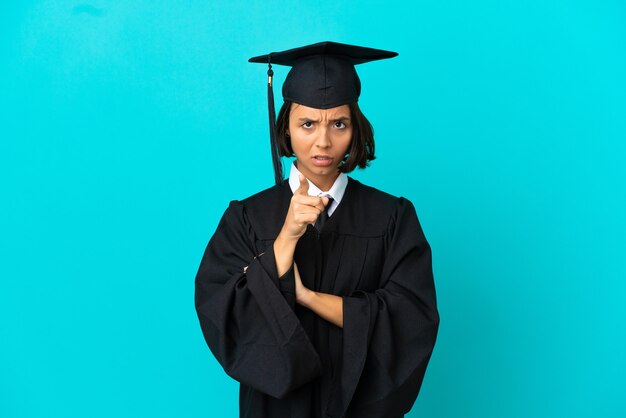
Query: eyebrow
{"x": 340, "y": 118}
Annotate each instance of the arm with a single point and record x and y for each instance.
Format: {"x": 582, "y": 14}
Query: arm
{"x": 303, "y": 210}
{"x": 284, "y": 249}
{"x": 389, "y": 333}
{"x": 327, "y": 306}
{"x": 247, "y": 322}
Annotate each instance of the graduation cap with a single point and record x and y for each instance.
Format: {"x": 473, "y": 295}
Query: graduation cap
{"x": 322, "y": 76}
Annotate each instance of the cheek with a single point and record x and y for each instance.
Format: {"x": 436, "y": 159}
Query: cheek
{"x": 293, "y": 137}
{"x": 343, "y": 142}
{"x": 297, "y": 144}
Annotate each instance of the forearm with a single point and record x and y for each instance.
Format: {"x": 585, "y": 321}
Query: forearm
{"x": 329, "y": 307}
{"x": 283, "y": 254}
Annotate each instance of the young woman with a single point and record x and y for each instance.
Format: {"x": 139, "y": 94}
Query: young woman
{"x": 317, "y": 294}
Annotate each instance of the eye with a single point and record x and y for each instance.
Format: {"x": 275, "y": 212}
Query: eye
{"x": 339, "y": 124}
{"x": 307, "y": 124}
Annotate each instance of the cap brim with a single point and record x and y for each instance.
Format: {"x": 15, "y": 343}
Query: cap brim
{"x": 355, "y": 54}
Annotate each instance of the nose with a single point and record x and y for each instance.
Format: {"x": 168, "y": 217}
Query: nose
{"x": 323, "y": 141}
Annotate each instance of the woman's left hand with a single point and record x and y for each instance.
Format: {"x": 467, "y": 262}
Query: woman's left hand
{"x": 329, "y": 307}
{"x": 302, "y": 293}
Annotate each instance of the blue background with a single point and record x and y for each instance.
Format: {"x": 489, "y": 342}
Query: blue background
{"x": 127, "y": 127}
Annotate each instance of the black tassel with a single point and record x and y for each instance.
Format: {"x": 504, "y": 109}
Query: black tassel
{"x": 276, "y": 161}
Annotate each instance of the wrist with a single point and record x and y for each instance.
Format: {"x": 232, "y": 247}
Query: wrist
{"x": 306, "y": 297}
{"x": 287, "y": 240}
{"x": 285, "y": 245}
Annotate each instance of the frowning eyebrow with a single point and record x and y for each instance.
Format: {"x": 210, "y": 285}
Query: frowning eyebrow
{"x": 339, "y": 119}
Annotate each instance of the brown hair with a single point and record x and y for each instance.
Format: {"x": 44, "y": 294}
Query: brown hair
{"x": 361, "y": 150}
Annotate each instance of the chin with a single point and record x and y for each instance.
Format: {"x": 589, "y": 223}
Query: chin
{"x": 326, "y": 171}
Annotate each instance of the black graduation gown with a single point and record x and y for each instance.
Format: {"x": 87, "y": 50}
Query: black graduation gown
{"x": 288, "y": 360}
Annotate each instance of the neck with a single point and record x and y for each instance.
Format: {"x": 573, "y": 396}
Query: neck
{"x": 324, "y": 183}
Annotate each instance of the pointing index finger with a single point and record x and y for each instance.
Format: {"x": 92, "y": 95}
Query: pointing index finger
{"x": 304, "y": 185}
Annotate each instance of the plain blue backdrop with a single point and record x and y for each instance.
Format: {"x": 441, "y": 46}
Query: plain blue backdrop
{"x": 127, "y": 127}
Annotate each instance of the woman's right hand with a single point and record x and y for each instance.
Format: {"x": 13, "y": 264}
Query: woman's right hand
{"x": 303, "y": 210}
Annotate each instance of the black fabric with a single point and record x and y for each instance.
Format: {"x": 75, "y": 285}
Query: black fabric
{"x": 321, "y": 220}
{"x": 323, "y": 74}
{"x": 289, "y": 361}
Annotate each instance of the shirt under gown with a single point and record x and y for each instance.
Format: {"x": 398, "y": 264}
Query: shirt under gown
{"x": 289, "y": 361}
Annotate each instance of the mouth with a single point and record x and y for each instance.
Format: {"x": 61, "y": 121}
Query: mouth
{"x": 322, "y": 160}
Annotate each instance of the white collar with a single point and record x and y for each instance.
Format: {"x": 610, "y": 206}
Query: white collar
{"x": 336, "y": 191}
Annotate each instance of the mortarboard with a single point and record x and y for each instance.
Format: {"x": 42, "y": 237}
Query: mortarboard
{"x": 322, "y": 76}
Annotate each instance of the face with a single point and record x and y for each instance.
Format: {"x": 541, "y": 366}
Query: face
{"x": 320, "y": 139}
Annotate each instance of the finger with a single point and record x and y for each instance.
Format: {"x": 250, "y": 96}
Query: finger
{"x": 304, "y": 185}
{"x": 322, "y": 203}
{"x": 308, "y": 200}
{"x": 306, "y": 210}
{"x": 307, "y": 218}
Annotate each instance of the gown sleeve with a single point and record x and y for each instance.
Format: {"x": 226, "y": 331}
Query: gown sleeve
{"x": 389, "y": 334}
{"x": 246, "y": 311}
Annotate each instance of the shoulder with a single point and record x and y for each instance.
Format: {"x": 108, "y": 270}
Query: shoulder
{"x": 263, "y": 211}
{"x": 271, "y": 194}
{"x": 371, "y": 194}
{"x": 376, "y": 208}
{"x": 385, "y": 204}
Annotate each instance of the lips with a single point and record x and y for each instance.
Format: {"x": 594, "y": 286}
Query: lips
{"x": 322, "y": 160}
